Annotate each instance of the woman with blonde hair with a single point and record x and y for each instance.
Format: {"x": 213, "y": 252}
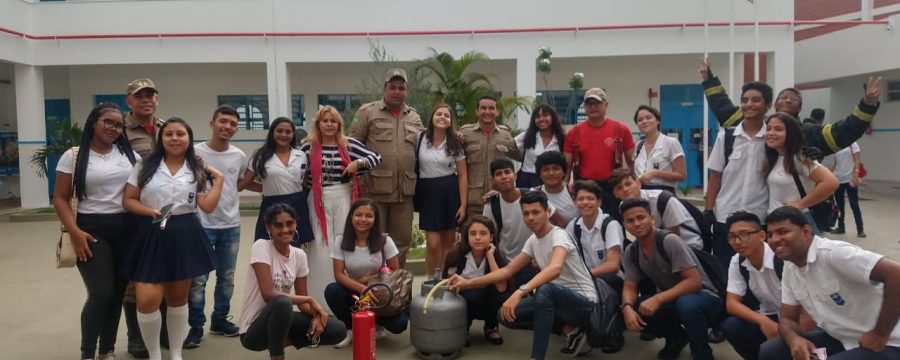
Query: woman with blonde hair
{"x": 334, "y": 161}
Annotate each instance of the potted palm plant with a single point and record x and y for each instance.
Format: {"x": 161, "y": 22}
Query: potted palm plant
{"x": 64, "y": 134}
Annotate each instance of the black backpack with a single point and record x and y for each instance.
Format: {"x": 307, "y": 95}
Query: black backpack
{"x": 607, "y": 324}
{"x": 705, "y": 230}
{"x": 729, "y": 144}
{"x": 708, "y": 262}
{"x": 749, "y": 299}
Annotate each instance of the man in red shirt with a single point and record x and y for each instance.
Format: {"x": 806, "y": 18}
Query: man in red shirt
{"x": 592, "y": 146}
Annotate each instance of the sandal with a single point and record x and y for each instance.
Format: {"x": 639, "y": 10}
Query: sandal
{"x": 493, "y": 336}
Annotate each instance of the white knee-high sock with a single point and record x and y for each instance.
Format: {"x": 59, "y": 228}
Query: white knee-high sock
{"x": 177, "y": 324}
{"x": 150, "y": 325}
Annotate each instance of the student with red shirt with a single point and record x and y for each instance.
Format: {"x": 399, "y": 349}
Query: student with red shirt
{"x": 592, "y": 146}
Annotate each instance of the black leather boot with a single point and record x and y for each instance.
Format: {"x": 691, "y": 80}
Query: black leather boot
{"x": 135, "y": 342}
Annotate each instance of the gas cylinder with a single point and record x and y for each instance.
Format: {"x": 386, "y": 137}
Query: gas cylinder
{"x": 363, "y": 335}
{"x": 440, "y": 332}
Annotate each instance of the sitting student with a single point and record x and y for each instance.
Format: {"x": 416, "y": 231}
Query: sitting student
{"x": 599, "y": 236}
{"x": 267, "y": 320}
{"x": 563, "y": 290}
{"x": 504, "y": 210}
{"x": 676, "y": 217}
{"x": 474, "y": 256}
{"x": 686, "y": 303}
{"x": 551, "y": 167}
{"x": 363, "y": 251}
{"x": 851, "y": 293}
{"x": 754, "y": 287}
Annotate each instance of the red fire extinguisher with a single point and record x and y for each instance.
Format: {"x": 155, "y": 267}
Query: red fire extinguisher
{"x": 364, "y": 335}
{"x": 363, "y": 320}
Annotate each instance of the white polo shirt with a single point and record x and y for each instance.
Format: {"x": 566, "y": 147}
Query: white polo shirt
{"x": 232, "y": 163}
{"x": 664, "y": 152}
{"x": 744, "y": 180}
{"x": 539, "y": 148}
{"x": 675, "y": 215}
{"x": 834, "y": 288}
{"x": 166, "y": 188}
{"x": 764, "y": 284}
{"x": 434, "y": 161}
{"x": 280, "y": 179}
{"x": 783, "y": 188}
{"x": 104, "y": 180}
{"x": 473, "y": 269}
{"x": 595, "y": 246}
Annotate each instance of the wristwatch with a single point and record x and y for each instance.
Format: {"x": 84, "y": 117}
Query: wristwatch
{"x": 524, "y": 288}
{"x": 625, "y": 305}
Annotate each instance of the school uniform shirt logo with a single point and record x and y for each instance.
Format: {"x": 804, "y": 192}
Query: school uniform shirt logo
{"x": 836, "y": 297}
{"x": 232, "y": 170}
{"x": 656, "y": 166}
{"x": 190, "y": 197}
{"x": 600, "y": 254}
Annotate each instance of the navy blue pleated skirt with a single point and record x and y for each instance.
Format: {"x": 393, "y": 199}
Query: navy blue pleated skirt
{"x": 180, "y": 251}
{"x": 296, "y": 201}
{"x": 437, "y": 200}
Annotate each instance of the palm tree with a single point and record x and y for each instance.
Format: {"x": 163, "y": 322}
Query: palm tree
{"x": 455, "y": 84}
{"x": 66, "y": 134}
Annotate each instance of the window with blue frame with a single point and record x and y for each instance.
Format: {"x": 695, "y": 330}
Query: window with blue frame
{"x": 254, "y": 110}
{"x": 346, "y": 104}
{"x": 567, "y": 103}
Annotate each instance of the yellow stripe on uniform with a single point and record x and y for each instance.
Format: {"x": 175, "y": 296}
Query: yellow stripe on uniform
{"x": 829, "y": 138}
{"x": 862, "y": 115}
{"x": 733, "y": 119}
{"x": 714, "y": 90}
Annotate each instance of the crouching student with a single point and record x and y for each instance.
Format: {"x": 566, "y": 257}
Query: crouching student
{"x": 552, "y": 168}
{"x": 754, "y": 287}
{"x": 474, "y": 256}
{"x": 675, "y": 217}
{"x": 851, "y": 292}
{"x": 561, "y": 293}
{"x": 268, "y": 321}
{"x": 598, "y": 235}
{"x": 686, "y": 303}
{"x": 505, "y": 211}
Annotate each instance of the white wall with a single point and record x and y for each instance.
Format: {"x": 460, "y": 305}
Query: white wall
{"x": 816, "y": 98}
{"x": 851, "y": 52}
{"x": 7, "y": 98}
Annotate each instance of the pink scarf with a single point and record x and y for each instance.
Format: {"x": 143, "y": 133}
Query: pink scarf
{"x": 315, "y": 168}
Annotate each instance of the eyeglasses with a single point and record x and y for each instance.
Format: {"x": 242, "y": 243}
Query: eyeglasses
{"x": 110, "y": 124}
{"x": 740, "y": 235}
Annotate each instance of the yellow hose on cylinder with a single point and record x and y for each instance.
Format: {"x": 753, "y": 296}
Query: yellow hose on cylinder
{"x": 431, "y": 293}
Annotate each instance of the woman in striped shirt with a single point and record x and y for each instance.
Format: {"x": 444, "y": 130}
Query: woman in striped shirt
{"x": 334, "y": 161}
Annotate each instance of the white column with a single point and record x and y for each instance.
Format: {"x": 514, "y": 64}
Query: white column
{"x": 783, "y": 68}
{"x": 526, "y": 85}
{"x": 278, "y": 88}
{"x": 866, "y": 7}
{"x": 29, "y": 85}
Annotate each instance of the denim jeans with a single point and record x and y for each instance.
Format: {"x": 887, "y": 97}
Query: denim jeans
{"x": 745, "y": 337}
{"x": 721, "y": 248}
{"x": 688, "y": 316}
{"x": 225, "y": 243}
{"x": 546, "y": 311}
{"x": 483, "y": 304}
{"x": 853, "y": 196}
{"x": 778, "y": 349}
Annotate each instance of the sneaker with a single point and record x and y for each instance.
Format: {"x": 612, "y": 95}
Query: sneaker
{"x": 861, "y": 234}
{"x": 224, "y": 327}
{"x": 380, "y": 332}
{"x": 107, "y": 356}
{"x": 839, "y": 231}
{"x": 576, "y": 344}
{"x": 715, "y": 336}
{"x": 672, "y": 349}
{"x": 346, "y": 342}
{"x": 194, "y": 338}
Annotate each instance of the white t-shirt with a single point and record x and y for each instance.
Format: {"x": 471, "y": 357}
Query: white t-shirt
{"x": 280, "y": 179}
{"x": 514, "y": 232}
{"x": 232, "y": 163}
{"x": 473, "y": 269}
{"x": 574, "y": 274}
{"x": 563, "y": 203}
{"x": 104, "y": 180}
{"x": 596, "y": 246}
{"x": 843, "y": 163}
{"x": 744, "y": 180}
{"x": 764, "y": 284}
{"x": 532, "y": 154}
{"x": 284, "y": 271}
{"x": 664, "y": 152}
{"x": 834, "y": 288}
{"x": 360, "y": 262}
{"x": 676, "y": 215}
{"x": 434, "y": 161}
{"x": 783, "y": 188}
{"x": 165, "y": 188}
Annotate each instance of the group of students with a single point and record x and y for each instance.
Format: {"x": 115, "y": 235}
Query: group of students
{"x": 529, "y": 245}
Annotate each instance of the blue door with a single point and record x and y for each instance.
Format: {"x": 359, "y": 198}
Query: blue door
{"x": 55, "y": 110}
{"x": 681, "y": 107}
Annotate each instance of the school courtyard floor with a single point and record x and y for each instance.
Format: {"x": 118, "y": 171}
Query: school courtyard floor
{"x": 40, "y": 305}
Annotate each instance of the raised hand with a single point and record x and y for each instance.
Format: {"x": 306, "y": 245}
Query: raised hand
{"x": 704, "y": 68}
{"x": 873, "y": 90}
